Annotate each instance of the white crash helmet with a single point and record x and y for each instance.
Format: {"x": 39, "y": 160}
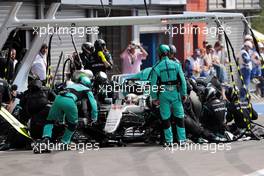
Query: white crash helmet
{"x": 131, "y": 99}
{"x": 78, "y": 73}
{"x": 101, "y": 77}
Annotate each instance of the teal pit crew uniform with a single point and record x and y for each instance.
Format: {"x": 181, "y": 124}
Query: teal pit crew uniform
{"x": 143, "y": 75}
{"x": 168, "y": 74}
{"x": 65, "y": 104}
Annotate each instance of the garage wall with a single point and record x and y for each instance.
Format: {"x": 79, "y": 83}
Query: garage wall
{"x": 27, "y": 10}
{"x": 65, "y": 44}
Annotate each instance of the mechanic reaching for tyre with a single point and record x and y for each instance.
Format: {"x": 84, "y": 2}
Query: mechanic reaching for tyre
{"x": 240, "y": 112}
{"x": 166, "y": 75}
{"x": 214, "y": 112}
{"x": 66, "y": 104}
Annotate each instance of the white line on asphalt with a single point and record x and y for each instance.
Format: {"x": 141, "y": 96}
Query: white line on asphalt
{"x": 256, "y": 173}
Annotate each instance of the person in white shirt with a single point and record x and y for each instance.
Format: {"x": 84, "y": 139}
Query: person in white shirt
{"x": 39, "y": 66}
{"x": 208, "y": 61}
{"x": 221, "y": 62}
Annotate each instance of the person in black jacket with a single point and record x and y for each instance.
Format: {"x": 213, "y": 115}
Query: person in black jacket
{"x": 5, "y": 92}
{"x": 214, "y": 112}
{"x": 5, "y": 99}
{"x": 35, "y": 107}
{"x": 194, "y": 129}
{"x": 7, "y": 66}
{"x": 101, "y": 59}
{"x": 240, "y": 112}
{"x": 86, "y": 55}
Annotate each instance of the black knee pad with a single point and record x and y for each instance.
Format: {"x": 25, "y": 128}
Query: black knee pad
{"x": 166, "y": 124}
{"x": 180, "y": 122}
{"x": 72, "y": 126}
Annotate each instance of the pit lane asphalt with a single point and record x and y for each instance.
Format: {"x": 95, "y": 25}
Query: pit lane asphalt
{"x": 136, "y": 159}
{"x": 243, "y": 158}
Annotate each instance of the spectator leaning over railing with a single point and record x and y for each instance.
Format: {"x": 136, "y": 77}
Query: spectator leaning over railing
{"x": 220, "y": 61}
{"x": 208, "y": 61}
{"x": 261, "y": 49}
{"x": 261, "y": 78}
{"x": 256, "y": 63}
{"x": 193, "y": 65}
